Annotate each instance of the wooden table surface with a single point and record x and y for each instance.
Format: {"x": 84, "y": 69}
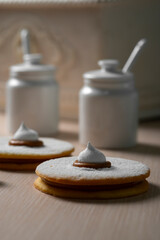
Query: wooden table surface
{"x": 26, "y": 213}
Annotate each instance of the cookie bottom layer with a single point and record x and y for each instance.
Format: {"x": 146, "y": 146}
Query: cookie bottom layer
{"x": 24, "y": 164}
{"x": 19, "y": 167}
{"x": 107, "y": 194}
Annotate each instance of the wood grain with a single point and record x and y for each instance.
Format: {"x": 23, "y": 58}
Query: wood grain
{"x": 26, "y": 213}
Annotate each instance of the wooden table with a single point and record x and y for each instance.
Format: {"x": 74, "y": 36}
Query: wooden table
{"x": 27, "y": 214}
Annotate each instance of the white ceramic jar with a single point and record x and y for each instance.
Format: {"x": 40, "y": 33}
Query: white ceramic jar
{"x": 108, "y": 107}
{"x": 32, "y": 96}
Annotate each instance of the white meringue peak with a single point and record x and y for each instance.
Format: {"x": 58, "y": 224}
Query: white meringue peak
{"x": 25, "y": 133}
{"x": 91, "y": 155}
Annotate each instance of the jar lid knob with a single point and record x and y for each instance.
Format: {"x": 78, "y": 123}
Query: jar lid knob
{"x": 32, "y": 58}
{"x": 109, "y": 64}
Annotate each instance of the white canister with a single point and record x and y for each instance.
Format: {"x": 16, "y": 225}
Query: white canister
{"x": 108, "y": 107}
{"x": 32, "y": 96}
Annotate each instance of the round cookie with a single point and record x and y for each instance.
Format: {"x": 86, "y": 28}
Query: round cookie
{"x": 27, "y": 158}
{"x": 123, "y": 179}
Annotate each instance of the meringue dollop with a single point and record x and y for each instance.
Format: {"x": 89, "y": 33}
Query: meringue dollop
{"x": 25, "y": 134}
{"x": 91, "y": 155}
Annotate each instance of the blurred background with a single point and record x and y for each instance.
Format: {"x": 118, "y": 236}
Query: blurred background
{"x": 73, "y": 35}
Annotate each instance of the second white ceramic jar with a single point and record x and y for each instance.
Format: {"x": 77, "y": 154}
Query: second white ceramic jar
{"x": 108, "y": 107}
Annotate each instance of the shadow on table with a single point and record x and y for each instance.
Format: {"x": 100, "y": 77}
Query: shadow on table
{"x": 150, "y": 124}
{"x": 153, "y": 192}
{"x": 29, "y": 171}
{"x": 3, "y": 184}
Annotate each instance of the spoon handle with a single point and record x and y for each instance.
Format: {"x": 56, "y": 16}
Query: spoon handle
{"x": 25, "y": 41}
{"x": 135, "y": 53}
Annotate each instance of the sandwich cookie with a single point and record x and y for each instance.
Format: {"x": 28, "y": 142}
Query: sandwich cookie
{"x": 25, "y": 150}
{"x": 91, "y": 175}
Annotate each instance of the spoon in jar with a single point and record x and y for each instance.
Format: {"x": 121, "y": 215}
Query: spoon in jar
{"x": 135, "y": 53}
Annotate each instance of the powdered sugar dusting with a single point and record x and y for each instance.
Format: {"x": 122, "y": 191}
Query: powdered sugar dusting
{"x": 63, "y": 168}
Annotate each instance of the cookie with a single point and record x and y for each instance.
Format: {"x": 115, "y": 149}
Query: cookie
{"x": 17, "y": 156}
{"x": 122, "y": 178}
{"x": 26, "y": 158}
{"x": 105, "y": 194}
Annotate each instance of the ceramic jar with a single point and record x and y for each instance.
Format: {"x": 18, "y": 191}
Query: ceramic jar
{"x": 108, "y": 107}
{"x": 32, "y": 96}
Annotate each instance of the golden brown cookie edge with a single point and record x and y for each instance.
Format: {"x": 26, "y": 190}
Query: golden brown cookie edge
{"x": 109, "y": 181}
{"x": 109, "y": 194}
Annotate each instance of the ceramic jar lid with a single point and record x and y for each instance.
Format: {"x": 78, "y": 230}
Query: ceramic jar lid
{"x": 109, "y": 72}
{"x": 32, "y": 68}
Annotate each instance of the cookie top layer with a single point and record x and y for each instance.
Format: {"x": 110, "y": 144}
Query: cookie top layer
{"x": 51, "y": 148}
{"x": 121, "y": 171}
